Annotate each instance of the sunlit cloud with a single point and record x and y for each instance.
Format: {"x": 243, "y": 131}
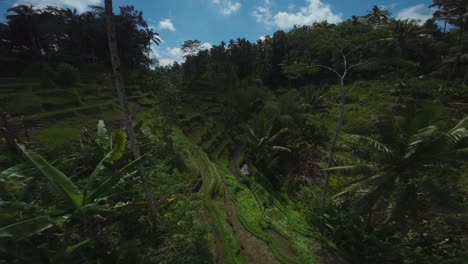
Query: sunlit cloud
{"x": 79, "y": 5}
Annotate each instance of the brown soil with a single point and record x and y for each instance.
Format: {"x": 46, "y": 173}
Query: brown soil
{"x": 283, "y": 243}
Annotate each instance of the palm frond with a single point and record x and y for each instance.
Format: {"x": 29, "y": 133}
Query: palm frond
{"x": 453, "y": 137}
{"x": 366, "y": 142}
{"x": 462, "y": 124}
{"x": 361, "y": 184}
{"x": 385, "y": 187}
{"x": 361, "y": 169}
{"x": 252, "y": 133}
{"x": 423, "y": 135}
{"x": 283, "y": 149}
{"x": 278, "y": 134}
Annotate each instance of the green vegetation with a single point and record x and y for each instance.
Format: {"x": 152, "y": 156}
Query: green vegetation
{"x": 329, "y": 143}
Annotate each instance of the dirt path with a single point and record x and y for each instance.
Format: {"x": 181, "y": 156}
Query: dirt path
{"x": 253, "y": 248}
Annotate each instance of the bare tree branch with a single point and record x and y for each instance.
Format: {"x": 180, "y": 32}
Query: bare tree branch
{"x": 357, "y": 64}
{"x": 328, "y": 68}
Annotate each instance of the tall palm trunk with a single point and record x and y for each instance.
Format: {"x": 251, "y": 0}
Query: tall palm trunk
{"x": 119, "y": 86}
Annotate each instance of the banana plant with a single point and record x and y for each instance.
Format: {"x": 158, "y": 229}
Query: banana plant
{"x": 80, "y": 201}
{"x": 104, "y": 143}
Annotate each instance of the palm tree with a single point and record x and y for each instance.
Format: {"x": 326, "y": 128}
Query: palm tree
{"x": 455, "y": 12}
{"x": 262, "y": 141}
{"x": 402, "y": 34}
{"x": 24, "y": 20}
{"x": 377, "y": 16}
{"x": 392, "y": 174}
{"x": 119, "y": 85}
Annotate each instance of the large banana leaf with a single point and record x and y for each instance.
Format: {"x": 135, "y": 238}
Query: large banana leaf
{"x": 77, "y": 247}
{"x": 110, "y": 182}
{"x": 26, "y": 228}
{"x": 72, "y": 193}
{"x": 97, "y": 170}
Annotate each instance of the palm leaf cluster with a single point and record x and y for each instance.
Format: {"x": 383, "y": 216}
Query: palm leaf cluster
{"x": 392, "y": 176}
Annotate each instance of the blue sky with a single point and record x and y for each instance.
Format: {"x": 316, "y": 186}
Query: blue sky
{"x": 212, "y": 21}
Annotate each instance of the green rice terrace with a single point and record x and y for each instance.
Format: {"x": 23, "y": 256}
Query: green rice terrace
{"x": 325, "y": 143}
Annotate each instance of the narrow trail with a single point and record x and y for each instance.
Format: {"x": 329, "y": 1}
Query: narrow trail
{"x": 254, "y": 249}
{"x": 283, "y": 242}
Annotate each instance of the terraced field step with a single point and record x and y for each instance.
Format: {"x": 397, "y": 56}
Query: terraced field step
{"x": 69, "y": 111}
{"x": 213, "y": 137}
{"x": 244, "y": 231}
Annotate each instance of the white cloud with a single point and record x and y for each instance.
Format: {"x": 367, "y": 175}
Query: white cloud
{"x": 389, "y": 6}
{"x": 227, "y": 7}
{"x": 79, "y": 5}
{"x": 291, "y": 6}
{"x": 262, "y": 38}
{"x": 314, "y": 11}
{"x": 263, "y": 15}
{"x": 419, "y": 13}
{"x": 175, "y": 52}
{"x": 169, "y": 55}
{"x": 230, "y": 8}
{"x": 165, "y": 62}
{"x": 206, "y": 46}
{"x": 166, "y": 24}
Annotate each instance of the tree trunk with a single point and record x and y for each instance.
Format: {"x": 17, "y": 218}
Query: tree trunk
{"x": 460, "y": 36}
{"x": 331, "y": 155}
{"x": 119, "y": 86}
{"x": 466, "y": 77}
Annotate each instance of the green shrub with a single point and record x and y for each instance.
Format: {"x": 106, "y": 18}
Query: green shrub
{"x": 47, "y": 77}
{"x": 67, "y": 75}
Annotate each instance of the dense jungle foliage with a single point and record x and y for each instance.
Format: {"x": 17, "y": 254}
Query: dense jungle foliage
{"x": 328, "y": 143}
